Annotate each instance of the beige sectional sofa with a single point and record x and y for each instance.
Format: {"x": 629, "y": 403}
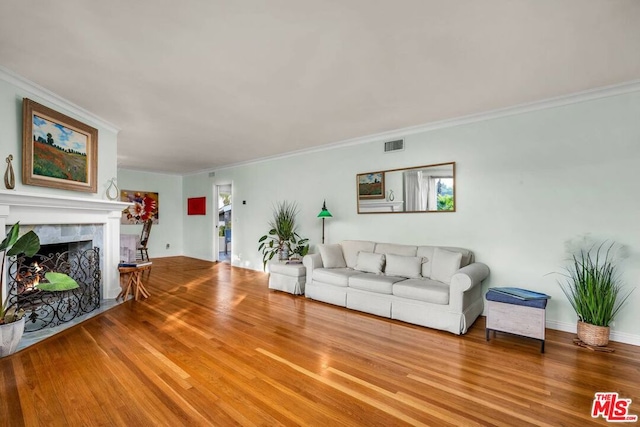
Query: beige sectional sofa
{"x": 433, "y": 286}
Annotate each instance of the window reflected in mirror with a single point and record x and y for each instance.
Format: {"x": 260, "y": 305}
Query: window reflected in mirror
{"x": 428, "y": 188}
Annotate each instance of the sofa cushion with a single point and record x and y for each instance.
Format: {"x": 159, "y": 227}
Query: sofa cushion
{"x": 426, "y": 252}
{"x": 390, "y": 248}
{"x": 292, "y": 270}
{"x": 405, "y": 266}
{"x": 333, "y": 276}
{"x": 374, "y": 283}
{"x": 350, "y": 249}
{"x": 370, "y": 262}
{"x": 444, "y": 265}
{"x": 422, "y": 290}
{"x": 332, "y": 256}
{"x": 467, "y": 255}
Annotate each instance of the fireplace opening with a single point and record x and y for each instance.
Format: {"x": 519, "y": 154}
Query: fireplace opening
{"x": 54, "y": 248}
{"x": 44, "y": 309}
{"x": 50, "y": 257}
{"x": 34, "y": 266}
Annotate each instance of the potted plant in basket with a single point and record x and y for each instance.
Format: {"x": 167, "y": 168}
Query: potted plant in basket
{"x": 594, "y": 290}
{"x": 11, "y": 316}
{"x": 283, "y": 238}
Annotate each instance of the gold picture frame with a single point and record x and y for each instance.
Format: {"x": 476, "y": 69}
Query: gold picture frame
{"x": 57, "y": 150}
{"x": 371, "y": 185}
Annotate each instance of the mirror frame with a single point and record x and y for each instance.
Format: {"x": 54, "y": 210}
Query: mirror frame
{"x": 383, "y": 196}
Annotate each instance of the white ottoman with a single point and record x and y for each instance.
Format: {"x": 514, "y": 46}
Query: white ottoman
{"x": 287, "y": 277}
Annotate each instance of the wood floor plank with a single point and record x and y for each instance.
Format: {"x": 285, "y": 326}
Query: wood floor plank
{"x": 214, "y": 346}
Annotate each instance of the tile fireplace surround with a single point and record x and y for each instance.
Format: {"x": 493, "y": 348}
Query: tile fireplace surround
{"x": 33, "y": 210}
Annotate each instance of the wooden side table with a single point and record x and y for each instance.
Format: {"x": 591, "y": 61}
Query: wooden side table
{"x": 132, "y": 276}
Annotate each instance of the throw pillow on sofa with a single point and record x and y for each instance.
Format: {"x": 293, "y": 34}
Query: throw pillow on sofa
{"x": 445, "y": 264}
{"x": 332, "y": 256}
{"x": 403, "y": 266}
{"x": 370, "y": 262}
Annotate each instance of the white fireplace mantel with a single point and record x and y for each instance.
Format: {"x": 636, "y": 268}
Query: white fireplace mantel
{"x": 380, "y": 206}
{"x": 37, "y": 209}
{"x": 34, "y": 200}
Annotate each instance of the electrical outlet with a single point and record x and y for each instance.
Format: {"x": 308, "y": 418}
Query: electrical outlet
{"x": 168, "y": 245}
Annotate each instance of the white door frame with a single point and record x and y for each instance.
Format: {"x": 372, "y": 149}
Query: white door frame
{"x": 216, "y": 227}
{"x": 216, "y": 220}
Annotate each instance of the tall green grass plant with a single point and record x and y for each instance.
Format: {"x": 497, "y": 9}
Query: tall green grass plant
{"x": 592, "y": 286}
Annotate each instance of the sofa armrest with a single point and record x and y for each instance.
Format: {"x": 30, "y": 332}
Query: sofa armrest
{"x": 466, "y": 285}
{"x": 311, "y": 262}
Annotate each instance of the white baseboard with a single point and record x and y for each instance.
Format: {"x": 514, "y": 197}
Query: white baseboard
{"x": 622, "y": 337}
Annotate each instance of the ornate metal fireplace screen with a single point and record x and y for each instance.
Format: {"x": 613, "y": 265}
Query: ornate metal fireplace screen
{"x": 48, "y": 309}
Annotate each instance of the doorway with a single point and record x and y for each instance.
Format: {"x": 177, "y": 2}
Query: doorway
{"x": 223, "y": 224}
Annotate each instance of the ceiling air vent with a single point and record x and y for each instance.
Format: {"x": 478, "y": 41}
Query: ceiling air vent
{"x": 397, "y": 145}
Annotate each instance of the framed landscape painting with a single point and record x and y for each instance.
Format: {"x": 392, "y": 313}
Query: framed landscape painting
{"x": 371, "y": 185}
{"x": 58, "y": 151}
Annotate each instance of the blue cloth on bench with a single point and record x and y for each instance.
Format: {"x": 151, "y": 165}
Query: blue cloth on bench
{"x": 500, "y": 297}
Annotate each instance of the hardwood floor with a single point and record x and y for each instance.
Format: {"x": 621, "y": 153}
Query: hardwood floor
{"x": 213, "y": 346}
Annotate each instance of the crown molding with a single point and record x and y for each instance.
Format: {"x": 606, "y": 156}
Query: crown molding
{"x": 141, "y": 170}
{"x": 39, "y": 91}
{"x": 575, "y": 98}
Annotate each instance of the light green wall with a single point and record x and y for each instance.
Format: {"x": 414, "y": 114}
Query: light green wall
{"x": 199, "y": 229}
{"x": 11, "y": 141}
{"x": 526, "y": 185}
{"x": 169, "y": 229}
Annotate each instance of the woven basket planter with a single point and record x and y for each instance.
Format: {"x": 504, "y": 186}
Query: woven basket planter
{"x": 593, "y": 335}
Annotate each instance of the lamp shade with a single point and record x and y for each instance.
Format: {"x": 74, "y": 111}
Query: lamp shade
{"x": 324, "y": 213}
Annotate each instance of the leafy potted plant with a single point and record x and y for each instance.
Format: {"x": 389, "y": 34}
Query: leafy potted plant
{"x": 595, "y": 292}
{"x": 11, "y": 317}
{"x": 283, "y": 238}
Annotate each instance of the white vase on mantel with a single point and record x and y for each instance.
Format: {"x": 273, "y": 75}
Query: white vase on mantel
{"x": 10, "y": 336}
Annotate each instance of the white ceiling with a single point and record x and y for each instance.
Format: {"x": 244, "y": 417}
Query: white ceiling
{"x": 198, "y": 84}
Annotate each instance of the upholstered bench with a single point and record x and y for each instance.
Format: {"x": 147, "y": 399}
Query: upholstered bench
{"x": 287, "y": 277}
{"x": 524, "y": 317}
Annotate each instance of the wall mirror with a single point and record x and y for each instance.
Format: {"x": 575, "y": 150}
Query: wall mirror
{"x": 429, "y": 188}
